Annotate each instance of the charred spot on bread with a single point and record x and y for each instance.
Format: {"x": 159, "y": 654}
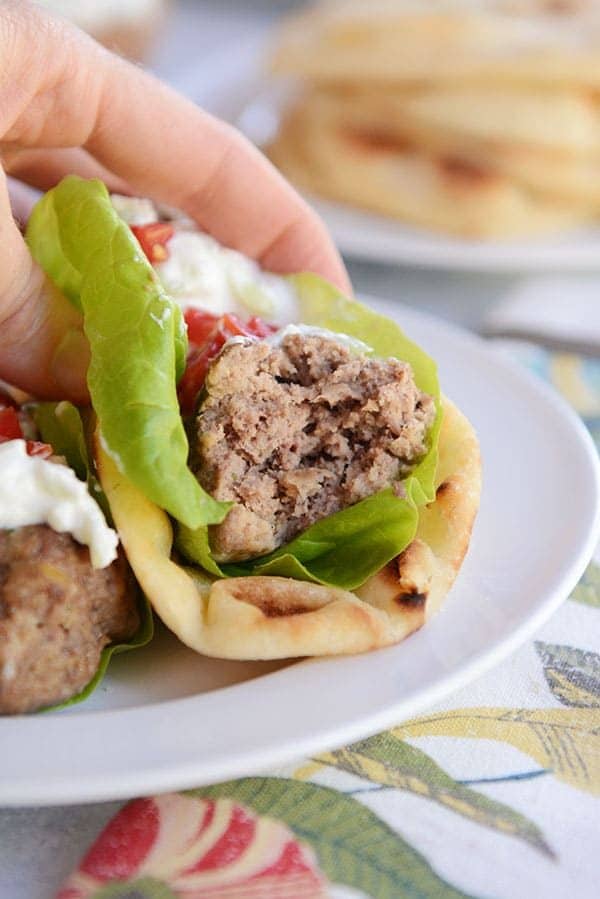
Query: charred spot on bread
{"x": 412, "y": 598}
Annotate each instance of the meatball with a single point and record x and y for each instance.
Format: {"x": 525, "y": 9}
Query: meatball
{"x": 295, "y": 432}
{"x": 56, "y": 615}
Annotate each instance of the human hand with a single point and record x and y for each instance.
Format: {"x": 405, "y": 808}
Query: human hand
{"x": 69, "y": 106}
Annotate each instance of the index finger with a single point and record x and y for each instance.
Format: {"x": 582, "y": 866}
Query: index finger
{"x": 164, "y": 146}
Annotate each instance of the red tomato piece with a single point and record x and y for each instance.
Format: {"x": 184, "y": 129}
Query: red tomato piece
{"x": 153, "y": 239}
{"x": 10, "y": 426}
{"x": 194, "y": 375}
{"x": 36, "y": 448}
{"x": 7, "y": 400}
{"x": 259, "y": 328}
{"x": 200, "y": 324}
{"x": 233, "y": 325}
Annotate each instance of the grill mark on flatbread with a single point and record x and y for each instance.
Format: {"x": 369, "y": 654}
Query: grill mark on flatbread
{"x": 442, "y": 489}
{"x": 414, "y": 599}
{"x": 467, "y": 173}
{"x": 376, "y": 141}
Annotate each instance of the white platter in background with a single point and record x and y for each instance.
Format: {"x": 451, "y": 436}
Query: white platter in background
{"x": 365, "y": 235}
{"x": 166, "y": 718}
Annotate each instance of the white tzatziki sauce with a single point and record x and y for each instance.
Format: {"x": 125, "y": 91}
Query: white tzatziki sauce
{"x": 134, "y": 210}
{"x": 37, "y": 491}
{"x": 351, "y": 343}
{"x": 201, "y": 273}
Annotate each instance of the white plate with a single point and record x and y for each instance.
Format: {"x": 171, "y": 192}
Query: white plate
{"x": 378, "y": 239}
{"x": 166, "y": 718}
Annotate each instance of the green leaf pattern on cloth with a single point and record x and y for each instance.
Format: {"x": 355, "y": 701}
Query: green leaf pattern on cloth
{"x": 391, "y": 762}
{"x": 572, "y": 674}
{"x": 567, "y": 741}
{"x": 587, "y": 590}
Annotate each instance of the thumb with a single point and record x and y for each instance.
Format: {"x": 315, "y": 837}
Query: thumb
{"x": 42, "y": 346}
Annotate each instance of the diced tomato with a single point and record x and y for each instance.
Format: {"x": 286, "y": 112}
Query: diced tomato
{"x": 233, "y": 326}
{"x": 36, "y": 448}
{"x": 259, "y": 328}
{"x": 7, "y": 400}
{"x": 200, "y": 324}
{"x": 10, "y": 429}
{"x": 209, "y": 334}
{"x": 10, "y": 426}
{"x": 153, "y": 239}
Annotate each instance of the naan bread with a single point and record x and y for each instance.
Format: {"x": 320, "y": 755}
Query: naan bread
{"x": 272, "y": 617}
{"x": 566, "y": 168}
{"x": 398, "y": 178}
{"x": 565, "y": 123}
{"x": 554, "y": 42}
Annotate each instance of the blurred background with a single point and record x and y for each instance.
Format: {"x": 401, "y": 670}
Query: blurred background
{"x": 452, "y": 146}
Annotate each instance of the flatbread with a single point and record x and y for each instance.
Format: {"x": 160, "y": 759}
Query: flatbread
{"x": 560, "y": 169}
{"x": 553, "y": 42}
{"x": 417, "y": 185}
{"x": 272, "y": 617}
{"x": 562, "y": 122}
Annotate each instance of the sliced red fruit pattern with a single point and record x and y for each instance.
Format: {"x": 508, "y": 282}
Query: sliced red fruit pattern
{"x": 199, "y": 849}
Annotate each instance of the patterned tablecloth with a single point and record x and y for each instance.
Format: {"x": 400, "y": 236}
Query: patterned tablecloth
{"x": 493, "y": 793}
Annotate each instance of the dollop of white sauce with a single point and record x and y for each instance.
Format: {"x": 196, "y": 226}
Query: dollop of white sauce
{"x": 351, "y": 343}
{"x": 201, "y": 273}
{"x": 134, "y": 210}
{"x": 36, "y": 491}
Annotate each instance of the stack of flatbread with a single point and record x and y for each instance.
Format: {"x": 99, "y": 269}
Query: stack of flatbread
{"x": 475, "y": 117}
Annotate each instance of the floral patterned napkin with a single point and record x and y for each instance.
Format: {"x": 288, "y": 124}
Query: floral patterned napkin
{"x": 493, "y": 793}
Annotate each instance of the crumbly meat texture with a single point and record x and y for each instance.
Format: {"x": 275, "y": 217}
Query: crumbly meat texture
{"x": 294, "y": 433}
{"x": 57, "y": 613}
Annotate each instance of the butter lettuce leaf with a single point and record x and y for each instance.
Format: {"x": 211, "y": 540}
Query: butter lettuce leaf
{"x": 346, "y": 548}
{"x": 67, "y": 428}
{"x": 136, "y": 338}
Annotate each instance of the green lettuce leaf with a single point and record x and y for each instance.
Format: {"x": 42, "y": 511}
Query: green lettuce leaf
{"x": 65, "y": 427}
{"x": 348, "y": 547}
{"x": 136, "y": 338}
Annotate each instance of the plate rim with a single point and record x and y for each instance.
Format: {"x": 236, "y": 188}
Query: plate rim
{"x": 424, "y": 248}
{"x": 163, "y": 776}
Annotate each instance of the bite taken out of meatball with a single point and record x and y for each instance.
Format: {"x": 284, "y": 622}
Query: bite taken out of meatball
{"x": 294, "y": 432}
{"x": 57, "y": 613}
